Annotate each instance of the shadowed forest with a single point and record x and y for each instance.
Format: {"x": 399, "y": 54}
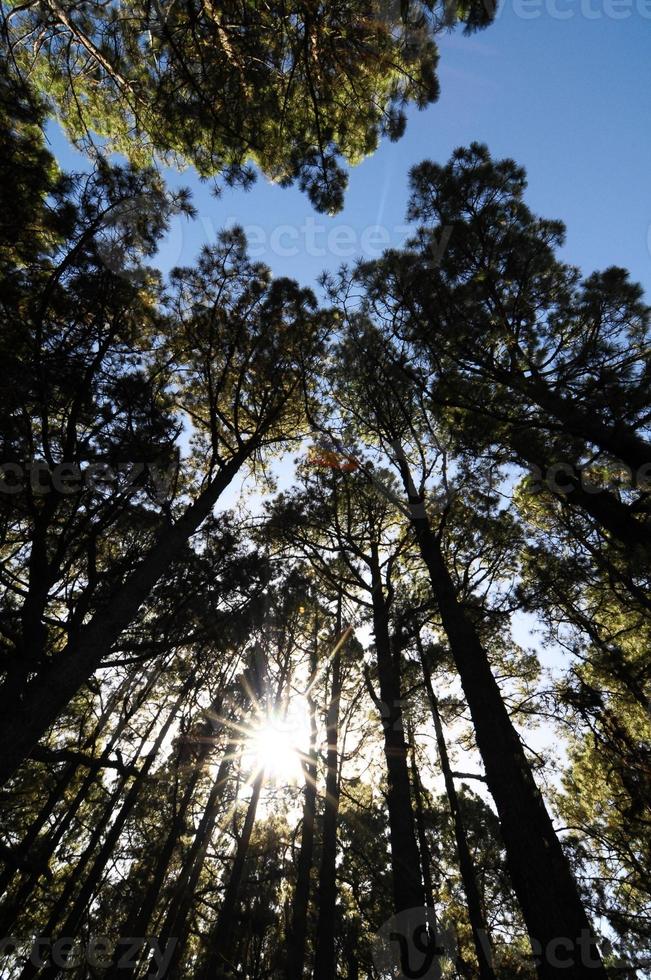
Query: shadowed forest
{"x": 325, "y": 606}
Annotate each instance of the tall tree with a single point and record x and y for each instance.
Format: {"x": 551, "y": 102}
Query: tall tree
{"x": 391, "y": 412}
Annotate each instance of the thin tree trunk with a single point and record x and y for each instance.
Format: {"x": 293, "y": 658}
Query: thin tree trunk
{"x": 423, "y": 846}
{"x": 20, "y": 855}
{"x": 541, "y": 875}
{"x": 71, "y": 924}
{"x": 138, "y": 920}
{"x": 218, "y": 962}
{"x": 324, "y": 956}
{"x": 298, "y": 929}
{"x": 16, "y": 904}
{"x": 408, "y": 890}
{"x": 602, "y": 506}
{"x": 176, "y": 923}
{"x": 623, "y": 445}
{"x": 474, "y": 905}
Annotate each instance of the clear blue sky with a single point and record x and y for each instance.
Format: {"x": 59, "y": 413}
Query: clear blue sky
{"x": 567, "y": 97}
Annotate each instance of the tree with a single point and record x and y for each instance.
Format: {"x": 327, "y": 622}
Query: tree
{"x": 102, "y": 366}
{"x": 292, "y": 88}
{"x": 388, "y": 409}
{"x": 528, "y": 358}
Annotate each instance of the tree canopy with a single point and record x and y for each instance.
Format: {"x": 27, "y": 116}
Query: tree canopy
{"x": 292, "y": 88}
{"x": 252, "y": 731}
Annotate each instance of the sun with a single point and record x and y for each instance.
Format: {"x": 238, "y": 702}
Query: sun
{"x": 275, "y": 746}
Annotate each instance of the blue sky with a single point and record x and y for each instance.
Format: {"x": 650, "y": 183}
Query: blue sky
{"x": 562, "y": 86}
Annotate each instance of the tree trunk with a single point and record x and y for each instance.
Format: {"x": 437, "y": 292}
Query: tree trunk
{"x": 602, "y": 506}
{"x": 423, "y": 846}
{"x": 138, "y": 920}
{"x": 298, "y": 928}
{"x": 474, "y": 905}
{"x": 176, "y": 923}
{"x": 51, "y": 841}
{"x": 70, "y": 926}
{"x": 623, "y": 445}
{"x": 555, "y": 918}
{"x": 324, "y": 955}
{"x": 21, "y": 854}
{"x": 408, "y": 890}
{"x": 218, "y": 961}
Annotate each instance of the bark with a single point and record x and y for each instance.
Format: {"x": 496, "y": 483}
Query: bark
{"x": 20, "y": 855}
{"x": 423, "y": 846}
{"x": 602, "y": 506}
{"x": 72, "y": 920}
{"x": 408, "y": 890}
{"x": 541, "y": 875}
{"x": 176, "y": 923}
{"x": 474, "y": 904}
{"x": 622, "y": 444}
{"x": 138, "y": 920}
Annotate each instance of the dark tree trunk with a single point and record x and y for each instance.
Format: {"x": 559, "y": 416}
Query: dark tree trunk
{"x": 298, "y": 929}
{"x": 218, "y": 961}
{"x": 474, "y": 904}
{"x": 45, "y": 851}
{"x": 423, "y": 846}
{"x": 541, "y": 875}
{"x": 138, "y": 920}
{"x": 176, "y": 923}
{"x": 602, "y": 506}
{"x": 21, "y": 855}
{"x": 324, "y": 955}
{"x": 408, "y": 890}
{"x": 622, "y": 444}
{"x": 72, "y": 920}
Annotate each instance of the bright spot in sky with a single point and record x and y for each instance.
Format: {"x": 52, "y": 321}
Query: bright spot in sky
{"x": 276, "y": 746}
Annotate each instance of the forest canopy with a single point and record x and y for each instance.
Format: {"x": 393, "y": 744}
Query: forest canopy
{"x": 266, "y": 550}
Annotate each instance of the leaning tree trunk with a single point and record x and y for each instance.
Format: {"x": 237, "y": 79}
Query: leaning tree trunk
{"x": 33, "y": 857}
{"x": 621, "y": 443}
{"x": 176, "y": 923}
{"x": 547, "y": 893}
{"x": 138, "y": 919}
{"x": 218, "y": 961}
{"x": 423, "y": 846}
{"x": 70, "y": 926}
{"x": 96, "y": 835}
{"x": 603, "y": 506}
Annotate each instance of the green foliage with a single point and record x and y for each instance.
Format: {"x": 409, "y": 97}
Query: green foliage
{"x": 293, "y": 89}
